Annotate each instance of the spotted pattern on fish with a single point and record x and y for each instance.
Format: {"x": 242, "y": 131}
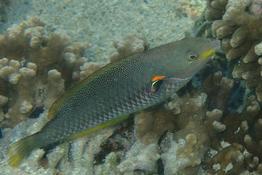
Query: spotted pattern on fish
{"x": 121, "y": 88}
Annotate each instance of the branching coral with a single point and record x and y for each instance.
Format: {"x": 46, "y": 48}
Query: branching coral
{"x": 214, "y": 82}
{"x": 183, "y": 152}
{"x": 150, "y": 126}
{"x": 237, "y": 148}
{"x": 125, "y": 47}
{"x": 79, "y": 156}
{"x": 69, "y": 158}
{"x": 203, "y": 135}
{"x": 238, "y": 27}
{"x": 128, "y": 46}
{"x": 228, "y": 136}
{"x": 215, "y": 9}
{"x": 35, "y": 68}
{"x": 140, "y": 158}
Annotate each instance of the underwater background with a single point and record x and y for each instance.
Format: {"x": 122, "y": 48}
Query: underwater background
{"x": 212, "y": 126}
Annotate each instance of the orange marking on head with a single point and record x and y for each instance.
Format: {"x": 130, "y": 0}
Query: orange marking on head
{"x": 158, "y": 77}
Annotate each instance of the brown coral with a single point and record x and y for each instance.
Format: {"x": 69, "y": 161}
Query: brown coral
{"x": 236, "y": 149}
{"x": 35, "y": 67}
{"x": 232, "y": 138}
{"x": 183, "y": 152}
{"x": 215, "y": 9}
{"x": 128, "y": 46}
{"x": 218, "y": 99}
{"x": 238, "y": 26}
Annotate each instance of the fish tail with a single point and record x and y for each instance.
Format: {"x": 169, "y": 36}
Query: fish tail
{"x": 21, "y": 149}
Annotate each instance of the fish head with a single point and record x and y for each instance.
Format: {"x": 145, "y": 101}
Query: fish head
{"x": 191, "y": 54}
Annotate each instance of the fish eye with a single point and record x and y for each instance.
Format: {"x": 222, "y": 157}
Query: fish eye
{"x": 191, "y": 55}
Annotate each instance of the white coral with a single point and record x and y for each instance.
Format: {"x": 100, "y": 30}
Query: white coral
{"x": 140, "y": 157}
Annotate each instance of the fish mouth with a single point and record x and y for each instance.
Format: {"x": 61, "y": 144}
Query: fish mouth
{"x": 210, "y": 52}
{"x": 207, "y": 54}
{"x": 204, "y": 57}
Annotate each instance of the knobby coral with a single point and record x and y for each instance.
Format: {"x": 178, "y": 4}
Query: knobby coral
{"x": 205, "y": 137}
{"x": 238, "y": 25}
{"x": 213, "y": 128}
{"x": 35, "y": 68}
{"x": 69, "y": 158}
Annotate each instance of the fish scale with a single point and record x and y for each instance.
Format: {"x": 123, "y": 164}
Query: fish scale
{"x": 121, "y": 88}
{"x": 96, "y": 115}
{"x": 114, "y": 100}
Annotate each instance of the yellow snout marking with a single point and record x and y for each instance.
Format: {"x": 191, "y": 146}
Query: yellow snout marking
{"x": 207, "y": 54}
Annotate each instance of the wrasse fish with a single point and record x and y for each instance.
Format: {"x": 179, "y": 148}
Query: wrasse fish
{"x": 110, "y": 94}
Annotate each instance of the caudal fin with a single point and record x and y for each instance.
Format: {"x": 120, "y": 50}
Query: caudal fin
{"x": 21, "y": 149}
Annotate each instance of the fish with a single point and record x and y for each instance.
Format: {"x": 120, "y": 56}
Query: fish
{"x": 156, "y": 82}
{"x": 108, "y": 96}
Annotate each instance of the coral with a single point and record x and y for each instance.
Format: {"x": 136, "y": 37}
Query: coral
{"x": 192, "y": 125}
{"x": 83, "y": 155}
{"x": 36, "y": 66}
{"x": 150, "y": 125}
{"x": 188, "y": 145}
{"x": 86, "y": 69}
{"x": 218, "y": 99}
{"x": 128, "y": 46}
{"x": 204, "y": 136}
{"x": 238, "y": 25}
{"x": 141, "y": 158}
{"x": 185, "y": 150}
{"x": 215, "y": 9}
{"x": 235, "y": 146}
{"x": 74, "y": 158}
{"x": 213, "y": 126}
{"x": 110, "y": 165}
{"x": 243, "y": 136}
{"x": 181, "y": 152}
